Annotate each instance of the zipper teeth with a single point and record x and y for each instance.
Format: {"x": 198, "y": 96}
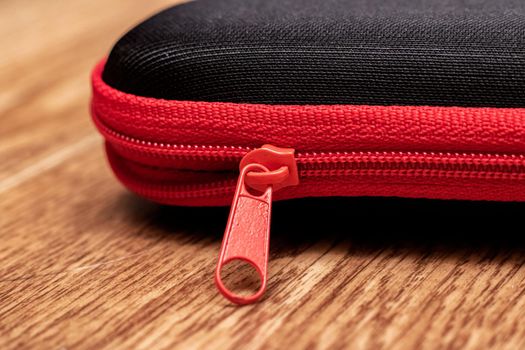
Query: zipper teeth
{"x": 168, "y": 150}
{"x": 406, "y": 163}
{"x": 318, "y": 164}
{"x": 318, "y": 161}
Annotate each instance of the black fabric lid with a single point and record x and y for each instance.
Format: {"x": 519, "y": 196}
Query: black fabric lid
{"x": 376, "y": 52}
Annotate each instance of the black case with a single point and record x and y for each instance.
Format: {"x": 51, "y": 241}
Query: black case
{"x": 377, "y": 52}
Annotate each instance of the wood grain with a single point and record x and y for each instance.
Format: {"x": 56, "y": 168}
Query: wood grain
{"x": 86, "y": 265}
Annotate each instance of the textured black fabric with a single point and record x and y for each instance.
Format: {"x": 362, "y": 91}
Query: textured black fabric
{"x": 379, "y": 52}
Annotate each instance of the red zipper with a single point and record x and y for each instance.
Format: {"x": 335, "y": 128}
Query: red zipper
{"x": 170, "y": 157}
{"x": 266, "y": 170}
{"x": 247, "y": 235}
{"x": 316, "y": 164}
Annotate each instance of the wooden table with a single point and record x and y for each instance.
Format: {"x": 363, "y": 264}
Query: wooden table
{"x": 85, "y": 264}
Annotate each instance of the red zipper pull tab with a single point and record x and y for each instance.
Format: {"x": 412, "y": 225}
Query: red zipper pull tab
{"x": 247, "y": 235}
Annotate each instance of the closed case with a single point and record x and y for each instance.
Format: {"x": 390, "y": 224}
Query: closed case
{"x": 420, "y": 99}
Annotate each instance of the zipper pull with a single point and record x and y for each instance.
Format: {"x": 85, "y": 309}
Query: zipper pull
{"x": 247, "y": 234}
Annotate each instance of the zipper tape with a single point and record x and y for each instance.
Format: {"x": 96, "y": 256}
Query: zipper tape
{"x": 321, "y": 128}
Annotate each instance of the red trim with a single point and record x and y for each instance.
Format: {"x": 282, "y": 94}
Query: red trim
{"x": 311, "y": 128}
{"x": 233, "y": 129}
{"x": 134, "y": 177}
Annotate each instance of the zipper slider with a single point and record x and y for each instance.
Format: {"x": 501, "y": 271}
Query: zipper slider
{"x": 247, "y": 235}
